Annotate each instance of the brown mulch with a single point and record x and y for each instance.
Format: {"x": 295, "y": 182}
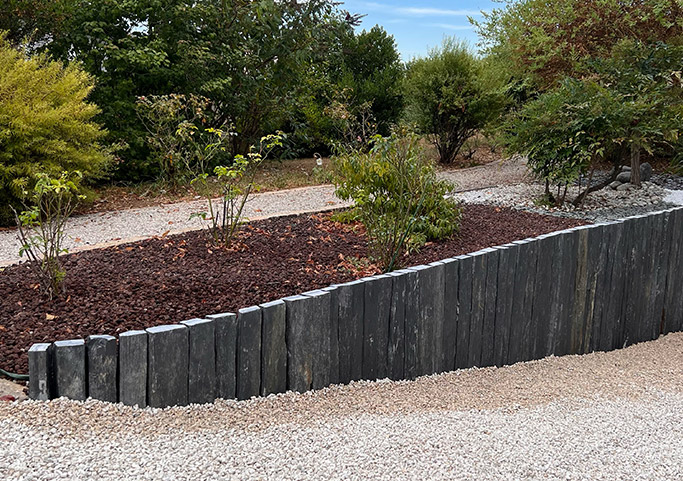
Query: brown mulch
{"x": 170, "y": 279}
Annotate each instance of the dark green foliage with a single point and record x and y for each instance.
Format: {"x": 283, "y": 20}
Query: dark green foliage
{"x": 397, "y": 195}
{"x": 449, "y": 96}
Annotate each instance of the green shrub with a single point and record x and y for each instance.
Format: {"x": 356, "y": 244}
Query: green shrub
{"x": 46, "y": 125}
{"x": 397, "y": 196}
{"x": 449, "y": 96}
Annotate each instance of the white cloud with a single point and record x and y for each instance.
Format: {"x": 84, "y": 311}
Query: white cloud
{"x": 419, "y": 11}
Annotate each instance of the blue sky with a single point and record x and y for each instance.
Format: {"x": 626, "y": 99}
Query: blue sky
{"x": 418, "y": 26}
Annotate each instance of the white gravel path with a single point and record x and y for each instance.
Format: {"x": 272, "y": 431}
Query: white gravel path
{"x": 111, "y": 228}
{"x": 616, "y": 415}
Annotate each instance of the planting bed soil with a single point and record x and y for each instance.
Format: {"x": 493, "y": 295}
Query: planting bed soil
{"x": 169, "y": 279}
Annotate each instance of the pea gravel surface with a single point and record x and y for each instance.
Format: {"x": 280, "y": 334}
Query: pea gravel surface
{"x": 616, "y": 415}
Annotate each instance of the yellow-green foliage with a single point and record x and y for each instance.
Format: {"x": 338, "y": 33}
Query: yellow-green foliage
{"x": 46, "y": 124}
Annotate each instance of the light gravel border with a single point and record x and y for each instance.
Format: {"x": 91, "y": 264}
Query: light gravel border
{"x": 616, "y": 415}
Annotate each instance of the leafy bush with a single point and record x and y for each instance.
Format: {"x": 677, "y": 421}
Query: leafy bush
{"x": 449, "y": 97}
{"x": 41, "y": 227}
{"x": 46, "y": 125}
{"x": 633, "y": 101}
{"x": 397, "y": 196}
{"x": 237, "y": 183}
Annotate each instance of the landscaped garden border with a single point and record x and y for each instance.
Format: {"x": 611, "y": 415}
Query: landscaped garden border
{"x": 596, "y": 287}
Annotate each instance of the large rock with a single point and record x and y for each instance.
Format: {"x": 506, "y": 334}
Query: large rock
{"x": 624, "y": 187}
{"x": 645, "y": 171}
{"x": 624, "y": 177}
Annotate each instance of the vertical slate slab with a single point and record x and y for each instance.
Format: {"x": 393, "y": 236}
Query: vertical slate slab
{"x": 40, "y": 384}
{"x": 450, "y": 314}
{"x": 465, "y": 266}
{"x": 69, "y": 368}
{"x": 651, "y": 320}
{"x": 578, "y": 304}
{"x": 202, "y": 361}
{"x": 334, "y": 333}
{"x": 319, "y": 329}
{"x": 491, "y": 298}
{"x": 350, "y": 308}
{"x": 666, "y": 249}
{"x": 273, "y": 348}
{"x": 248, "y": 352}
{"x": 167, "y": 366}
{"x": 633, "y": 231}
{"x": 672, "y": 317}
{"x": 610, "y": 329}
{"x": 596, "y": 294}
{"x": 133, "y": 368}
{"x": 376, "y": 327}
{"x": 544, "y": 278}
{"x": 225, "y": 326}
{"x": 438, "y": 301}
{"x": 412, "y": 324}
{"x": 478, "y": 308}
{"x": 521, "y": 336}
{"x": 397, "y": 335}
{"x": 507, "y": 264}
{"x": 567, "y": 293}
{"x": 430, "y": 295}
{"x": 102, "y": 360}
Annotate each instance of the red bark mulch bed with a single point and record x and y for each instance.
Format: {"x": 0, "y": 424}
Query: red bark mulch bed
{"x": 167, "y": 280}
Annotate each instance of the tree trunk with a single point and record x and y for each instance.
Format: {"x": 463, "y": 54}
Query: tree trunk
{"x": 635, "y": 164}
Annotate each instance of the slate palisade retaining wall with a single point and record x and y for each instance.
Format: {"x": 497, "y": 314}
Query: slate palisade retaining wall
{"x": 598, "y": 287}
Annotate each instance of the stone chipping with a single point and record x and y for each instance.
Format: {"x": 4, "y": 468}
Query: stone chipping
{"x": 616, "y": 415}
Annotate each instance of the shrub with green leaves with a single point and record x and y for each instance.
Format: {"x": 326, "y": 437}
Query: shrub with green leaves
{"x": 449, "y": 96}
{"x": 46, "y": 125}
{"x": 397, "y": 196}
{"x": 41, "y": 227}
{"x": 236, "y": 183}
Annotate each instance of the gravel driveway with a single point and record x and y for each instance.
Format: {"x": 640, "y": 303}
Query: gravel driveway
{"x": 616, "y": 415}
{"x": 110, "y": 228}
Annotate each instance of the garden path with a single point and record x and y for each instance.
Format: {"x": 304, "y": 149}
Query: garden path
{"x": 111, "y": 228}
{"x": 612, "y": 415}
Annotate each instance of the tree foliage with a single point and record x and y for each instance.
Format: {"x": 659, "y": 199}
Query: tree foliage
{"x": 449, "y": 97}
{"x": 46, "y": 124}
{"x": 550, "y": 40}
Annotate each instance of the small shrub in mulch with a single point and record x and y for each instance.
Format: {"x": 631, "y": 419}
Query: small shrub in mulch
{"x": 169, "y": 279}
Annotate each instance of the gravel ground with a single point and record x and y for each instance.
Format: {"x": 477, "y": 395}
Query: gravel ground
{"x": 616, "y": 415}
{"x": 603, "y": 205}
{"x": 111, "y": 228}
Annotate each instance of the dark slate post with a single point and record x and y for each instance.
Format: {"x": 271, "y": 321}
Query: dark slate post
{"x": 507, "y": 263}
{"x": 273, "y": 348}
{"x": 70, "y": 375}
{"x": 351, "y": 302}
{"x": 202, "y": 361}
{"x": 430, "y": 317}
{"x": 672, "y": 298}
{"x": 491, "y": 298}
{"x": 595, "y": 296}
{"x": 522, "y": 333}
{"x": 397, "y": 335}
{"x": 437, "y": 273}
{"x": 102, "y": 365}
{"x": 465, "y": 266}
{"x": 167, "y": 366}
{"x": 610, "y": 330}
{"x": 248, "y": 352}
{"x": 319, "y": 330}
{"x": 301, "y": 312}
{"x": 133, "y": 368}
{"x": 541, "y": 322}
{"x": 376, "y": 327}
{"x": 478, "y": 308}
{"x": 225, "y": 326}
{"x": 334, "y": 333}
{"x": 579, "y": 302}
{"x": 411, "y": 324}
{"x": 450, "y": 314}
{"x": 40, "y": 384}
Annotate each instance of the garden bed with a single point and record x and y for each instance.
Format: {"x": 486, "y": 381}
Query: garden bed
{"x": 169, "y": 279}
